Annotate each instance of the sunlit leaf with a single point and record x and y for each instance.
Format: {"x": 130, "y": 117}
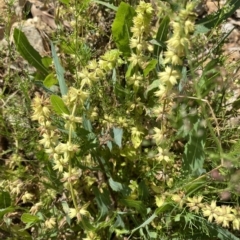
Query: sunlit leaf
{"x": 116, "y": 186}
{"x": 59, "y": 71}
{"x": 29, "y": 218}
{"x": 58, "y": 105}
{"x": 28, "y": 52}
{"x": 117, "y": 136}
{"x": 50, "y": 80}
{"x": 121, "y": 27}
{"x": 151, "y": 65}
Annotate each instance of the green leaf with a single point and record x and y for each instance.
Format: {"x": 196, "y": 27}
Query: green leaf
{"x": 58, "y": 105}
{"x": 161, "y": 37}
{"x": 153, "y": 85}
{"x": 121, "y": 27}
{"x": 194, "y": 152}
{"x": 66, "y": 210}
{"x": 138, "y": 205}
{"x": 86, "y": 225}
{"x": 214, "y": 231}
{"x": 117, "y": 136}
{"x": 165, "y": 207}
{"x": 129, "y": 71}
{"x": 47, "y": 61}
{"x": 108, "y": 5}
{"x": 29, "y": 218}
{"x": 151, "y": 65}
{"x": 200, "y": 29}
{"x": 193, "y": 186}
{"x": 6, "y": 210}
{"x": 59, "y": 71}
{"x": 144, "y": 224}
{"x": 116, "y": 186}
{"x": 28, "y": 52}
{"x": 50, "y": 80}
{"x": 64, "y": 1}
{"x": 103, "y": 201}
{"x": 215, "y": 19}
{"x": 5, "y": 199}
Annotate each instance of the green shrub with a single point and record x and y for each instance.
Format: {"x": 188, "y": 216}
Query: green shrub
{"x": 132, "y": 148}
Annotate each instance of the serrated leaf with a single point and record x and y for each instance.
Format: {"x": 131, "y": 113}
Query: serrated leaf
{"x": 121, "y": 27}
{"x": 29, "y": 218}
{"x": 28, "y": 52}
{"x": 58, "y": 105}
{"x": 151, "y": 65}
{"x": 50, "y": 80}
{"x": 117, "y": 136}
{"x": 5, "y": 199}
{"x": 59, "y": 71}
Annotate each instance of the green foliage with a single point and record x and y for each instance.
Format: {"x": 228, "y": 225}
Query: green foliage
{"x": 28, "y": 52}
{"x": 128, "y": 145}
{"x": 194, "y": 152}
{"x": 121, "y": 27}
{"x": 59, "y": 71}
{"x": 215, "y": 19}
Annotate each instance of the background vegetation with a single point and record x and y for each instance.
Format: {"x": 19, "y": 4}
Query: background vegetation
{"x": 126, "y": 129}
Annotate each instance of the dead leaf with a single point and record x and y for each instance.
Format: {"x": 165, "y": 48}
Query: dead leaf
{"x": 44, "y": 16}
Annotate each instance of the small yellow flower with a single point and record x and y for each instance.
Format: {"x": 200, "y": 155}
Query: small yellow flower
{"x": 161, "y": 92}
{"x": 72, "y": 213}
{"x": 34, "y": 209}
{"x": 169, "y": 76}
{"x": 27, "y": 197}
{"x": 189, "y": 27}
{"x": 236, "y": 223}
{"x": 135, "y": 59}
{"x": 224, "y": 215}
{"x": 92, "y": 65}
{"x": 48, "y": 139}
{"x": 172, "y": 57}
{"x": 160, "y": 200}
{"x": 178, "y": 198}
{"x": 158, "y": 136}
{"x": 79, "y": 211}
{"x": 50, "y": 223}
{"x": 40, "y": 107}
{"x": 209, "y": 211}
{"x": 195, "y": 203}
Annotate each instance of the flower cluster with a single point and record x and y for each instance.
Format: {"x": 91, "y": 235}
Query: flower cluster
{"x": 223, "y": 215}
{"x": 96, "y": 70}
{"x": 138, "y": 42}
{"x": 177, "y": 47}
